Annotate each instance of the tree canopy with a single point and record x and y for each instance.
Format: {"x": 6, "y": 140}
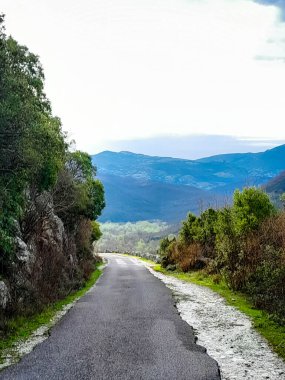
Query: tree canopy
{"x": 34, "y": 153}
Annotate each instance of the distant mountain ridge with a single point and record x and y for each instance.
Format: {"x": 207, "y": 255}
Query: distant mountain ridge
{"x": 140, "y": 187}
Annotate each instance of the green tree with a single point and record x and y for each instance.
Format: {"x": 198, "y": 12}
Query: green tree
{"x": 165, "y": 251}
{"x": 250, "y": 207}
{"x": 96, "y": 232}
{"x": 227, "y": 244}
{"x": 190, "y": 229}
{"x": 77, "y": 193}
{"x": 32, "y": 146}
{"x": 49, "y": 197}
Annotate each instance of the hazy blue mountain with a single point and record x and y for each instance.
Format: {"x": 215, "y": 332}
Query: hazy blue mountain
{"x": 140, "y": 187}
{"x": 129, "y": 199}
{"x": 270, "y": 161}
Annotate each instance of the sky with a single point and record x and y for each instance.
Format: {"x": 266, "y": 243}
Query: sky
{"x": 182, "y": 78}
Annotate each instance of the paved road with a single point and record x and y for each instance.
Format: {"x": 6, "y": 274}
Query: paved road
{"x": 127, "y": 327}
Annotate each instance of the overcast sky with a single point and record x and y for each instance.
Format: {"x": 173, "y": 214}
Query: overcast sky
{"x": 152, "y": 71}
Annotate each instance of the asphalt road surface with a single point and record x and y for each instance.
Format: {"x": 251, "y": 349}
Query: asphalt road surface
{"x": 126, "y": 327}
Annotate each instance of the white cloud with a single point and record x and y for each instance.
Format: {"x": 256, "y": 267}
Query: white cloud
{"x": 138, "y": 68}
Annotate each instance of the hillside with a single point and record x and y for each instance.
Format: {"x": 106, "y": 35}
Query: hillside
{"x": 276, "y": 184}
{"x": 275, "y": 187}
{"x": 129, "y": 199}
{"x": 140, "y": 187}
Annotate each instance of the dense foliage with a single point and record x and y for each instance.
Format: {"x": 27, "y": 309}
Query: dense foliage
{"x": 49, "y": 197}
{"x": 244, "y": 244}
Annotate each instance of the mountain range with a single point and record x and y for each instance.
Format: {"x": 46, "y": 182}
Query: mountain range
{"x": 140, "y": 187}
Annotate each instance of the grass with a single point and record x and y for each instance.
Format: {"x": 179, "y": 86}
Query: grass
{"x": 262, "y": 321}
{"x": 20, "y": 328}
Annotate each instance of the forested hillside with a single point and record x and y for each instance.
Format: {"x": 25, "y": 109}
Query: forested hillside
{"x": 276, "y": 185}
{"x": 140, "y": 187}
{"x": 132, "y": 200}
{"x": 49, "y": 198}
{"x": 140, "y": 238}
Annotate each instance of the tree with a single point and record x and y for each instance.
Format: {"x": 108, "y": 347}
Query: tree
{"x": 32, "y": 146}
{"x": 206, "y": 233}
{"x": 77, "y": 193}
{"x": 49, "y": 197}
{"x": 35, "y": 164}
{"x": 165, "y": 251}
{"x": 250, "y": 207}
{"x": 189, "y": 229}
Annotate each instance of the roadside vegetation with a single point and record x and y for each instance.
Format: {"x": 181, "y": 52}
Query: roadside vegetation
{"x": 237, "y": 250}
{"x": 49, "y": 196}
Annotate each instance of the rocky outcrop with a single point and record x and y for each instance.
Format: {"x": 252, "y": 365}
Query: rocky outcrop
{"x": 22, "y": 252}
{"x": 5, "y": 296}
{"x": 45, "y": 264}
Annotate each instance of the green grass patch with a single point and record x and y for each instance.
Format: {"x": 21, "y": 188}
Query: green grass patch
{"x": 20, "y": 328}
{"x": 262, "y": 321}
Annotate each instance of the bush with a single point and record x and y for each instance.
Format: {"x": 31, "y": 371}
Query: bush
{"x": 243, "y": 244}
{"x": 266, "y": 284}
{"x": 95, "y": 231}
{"x": 190, "y": 257}
{"x": 166, "y": 251}
{"x": 250, "y": 207}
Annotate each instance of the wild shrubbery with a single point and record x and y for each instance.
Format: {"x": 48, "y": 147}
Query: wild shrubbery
{"x": 244, "y": 244}
{"x": 49, "y": 197}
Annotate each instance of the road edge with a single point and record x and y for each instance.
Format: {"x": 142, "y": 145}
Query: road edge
{"x": 21, "y": 347}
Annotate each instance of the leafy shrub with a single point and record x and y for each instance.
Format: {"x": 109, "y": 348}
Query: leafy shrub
{"x": 166, "y": 251}
{"x": 190, "y": 257}
{"x": 243, "y": 244}
{"x": 250, "y": 207}
{"x": 190, "y": 229}
{"x": 266, "y": 284}
{"x": 95, "y": 231}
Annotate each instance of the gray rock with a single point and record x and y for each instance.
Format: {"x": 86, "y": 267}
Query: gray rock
{"x": 4, "y": 295}
{"x": 17, "y": 228}
{"x": 23, "y": 254}
{"x": 59, "y": 228}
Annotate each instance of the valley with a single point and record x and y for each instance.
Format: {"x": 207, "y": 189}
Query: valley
{"x": 140, "y": 187}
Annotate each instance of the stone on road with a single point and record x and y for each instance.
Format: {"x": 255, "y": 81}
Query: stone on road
{"x": 126, "y": 327}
